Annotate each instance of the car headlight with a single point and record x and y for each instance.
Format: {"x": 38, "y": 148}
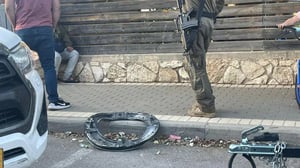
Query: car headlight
{"x": 22, "y": 55}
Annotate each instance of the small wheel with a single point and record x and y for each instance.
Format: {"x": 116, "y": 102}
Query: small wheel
{"x": 243, "y": 160}
{"x": 297, "y": 90}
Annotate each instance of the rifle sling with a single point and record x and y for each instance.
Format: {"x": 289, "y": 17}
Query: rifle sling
{"x": 200, "y": 11}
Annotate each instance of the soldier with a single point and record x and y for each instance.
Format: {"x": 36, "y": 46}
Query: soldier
{"x": 196, "y": 55}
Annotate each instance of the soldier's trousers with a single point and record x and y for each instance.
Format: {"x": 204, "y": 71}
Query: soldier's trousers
{"x": 197, "y": 66}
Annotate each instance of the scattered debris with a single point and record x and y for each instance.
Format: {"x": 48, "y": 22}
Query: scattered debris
{"x": 156, "y": 142}
{"x": 75, "y": 137}
{"x": 85, "y": 144}
{"x": 196, "y": 141}
{"x": 174, "y": 137}
{"x": 165, "y": 140}
{"x": 67, "y": 134}
{"x": 121, "y": 135}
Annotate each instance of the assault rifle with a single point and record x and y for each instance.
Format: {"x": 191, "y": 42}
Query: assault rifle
{"x": 186, "y": 22}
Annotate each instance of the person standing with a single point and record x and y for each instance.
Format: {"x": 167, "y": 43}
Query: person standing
{"x": 34, "y": 21}
{"x": 196, "y": 55}
{"x": 64, "y": 51}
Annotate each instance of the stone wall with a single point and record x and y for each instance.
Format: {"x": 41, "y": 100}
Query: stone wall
{"x": 252, "y": 68}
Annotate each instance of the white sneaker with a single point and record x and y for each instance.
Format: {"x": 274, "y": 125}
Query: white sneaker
{"x": 58, "y": 105}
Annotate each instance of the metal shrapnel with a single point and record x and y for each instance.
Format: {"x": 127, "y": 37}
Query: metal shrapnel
{"x": 97, "y": 139}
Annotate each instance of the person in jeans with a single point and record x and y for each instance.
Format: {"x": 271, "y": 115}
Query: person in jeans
{"x": 34, "y": 21}
{"x": 64, "y": 51}
{"x": 196, "y": 56}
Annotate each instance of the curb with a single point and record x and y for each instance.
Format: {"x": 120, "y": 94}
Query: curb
{"x": 214, "y": 128}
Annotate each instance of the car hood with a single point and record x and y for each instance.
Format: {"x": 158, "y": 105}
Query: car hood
{"x": 8, "y": 38}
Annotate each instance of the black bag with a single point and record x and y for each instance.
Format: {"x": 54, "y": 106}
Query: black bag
{"x": 59, "y": 45}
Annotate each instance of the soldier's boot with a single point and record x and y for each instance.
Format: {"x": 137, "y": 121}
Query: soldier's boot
{"x": 196, "y": 111}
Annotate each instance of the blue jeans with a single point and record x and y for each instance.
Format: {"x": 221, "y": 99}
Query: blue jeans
{"x": 40, "y": 39}
{"x": 72, "y": 60}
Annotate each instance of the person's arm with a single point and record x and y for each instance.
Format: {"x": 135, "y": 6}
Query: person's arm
{"x": 289, "y": 22}
{"x": 55, "y": 12}
{"x": 64, "y": 36}
{"x": 10, "y": 11}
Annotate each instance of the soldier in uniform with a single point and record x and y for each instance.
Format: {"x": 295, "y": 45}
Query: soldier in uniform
{"x": 196, "y": 57}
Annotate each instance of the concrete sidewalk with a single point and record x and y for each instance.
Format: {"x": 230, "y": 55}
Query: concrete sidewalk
{"x": 238, "y": 108}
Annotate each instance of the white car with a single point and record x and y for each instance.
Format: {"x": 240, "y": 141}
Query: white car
{"x": 23, "y": 112}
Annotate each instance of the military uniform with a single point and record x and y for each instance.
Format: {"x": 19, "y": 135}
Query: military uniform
{"x": 196, "y": 58}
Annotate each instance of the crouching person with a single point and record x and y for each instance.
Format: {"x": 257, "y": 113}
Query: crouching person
{"x": 64, "y": 51}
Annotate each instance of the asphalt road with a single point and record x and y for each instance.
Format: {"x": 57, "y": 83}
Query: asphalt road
{"x": 68, "y": 152}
